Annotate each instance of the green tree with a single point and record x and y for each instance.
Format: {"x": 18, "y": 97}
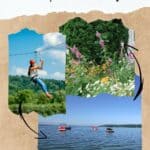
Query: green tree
{"x": 22, "y": 89}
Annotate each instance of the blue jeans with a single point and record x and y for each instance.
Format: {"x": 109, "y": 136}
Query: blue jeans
{"x": 41, "y": 84}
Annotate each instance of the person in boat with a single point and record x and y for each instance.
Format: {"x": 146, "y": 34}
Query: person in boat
{"x": 33, "y": 73}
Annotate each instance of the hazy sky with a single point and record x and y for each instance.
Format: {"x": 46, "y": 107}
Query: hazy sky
{"x": 10, "y": 9}
{"x": 103, "y": 109}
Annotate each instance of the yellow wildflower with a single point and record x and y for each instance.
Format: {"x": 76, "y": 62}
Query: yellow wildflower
{"x": 72, "y": 71}
{"x": 105, "y": 80}
{"x": 104, "y": 67}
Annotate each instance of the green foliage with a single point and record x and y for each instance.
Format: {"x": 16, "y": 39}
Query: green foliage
{"x": 82, "y": 34}
{"x": 123, "y": 71}
{"x": 21, "y": 88}
{"x": 43, "y": 109}
{"x": 17, "y": 83}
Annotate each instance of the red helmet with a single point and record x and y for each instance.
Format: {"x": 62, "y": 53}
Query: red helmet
{"x": 32, "y": 61}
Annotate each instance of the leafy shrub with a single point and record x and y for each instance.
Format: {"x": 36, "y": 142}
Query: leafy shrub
{"x": 81, "y": 34}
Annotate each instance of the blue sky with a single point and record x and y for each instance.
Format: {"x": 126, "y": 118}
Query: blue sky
{"x": 103, "y": 109}
{"x": 51, "y": 48}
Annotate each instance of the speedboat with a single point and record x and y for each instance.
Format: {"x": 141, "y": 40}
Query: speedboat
{"x": 109, "y": 130}
{"x": 64, "y": 128}
{"x": 95, "y": 128}
{"x": 68, "y": 127}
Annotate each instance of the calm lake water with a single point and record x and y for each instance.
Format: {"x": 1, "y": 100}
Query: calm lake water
{"x": 84, "y": 138}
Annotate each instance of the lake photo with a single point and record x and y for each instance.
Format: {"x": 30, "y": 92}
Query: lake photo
{"x": 104, "y": 122}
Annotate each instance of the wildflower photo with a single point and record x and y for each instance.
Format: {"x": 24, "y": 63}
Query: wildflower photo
{"x": 97, "y": 59}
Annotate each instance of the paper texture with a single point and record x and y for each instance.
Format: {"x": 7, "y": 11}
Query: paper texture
{"x": 14, "y": 135}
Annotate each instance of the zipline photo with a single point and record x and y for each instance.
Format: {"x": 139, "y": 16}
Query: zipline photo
{"x": 37, "y": 72}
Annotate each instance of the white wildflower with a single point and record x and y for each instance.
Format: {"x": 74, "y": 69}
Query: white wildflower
{"x": 88, "y": 95}
{"x": 97, "y": 82}
{"x": 67, "y": 51}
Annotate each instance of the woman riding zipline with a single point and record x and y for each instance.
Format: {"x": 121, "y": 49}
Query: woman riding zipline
{"x": 33, "y": 73}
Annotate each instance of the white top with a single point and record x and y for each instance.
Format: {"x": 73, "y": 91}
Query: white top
{"x": 33, "y": 73}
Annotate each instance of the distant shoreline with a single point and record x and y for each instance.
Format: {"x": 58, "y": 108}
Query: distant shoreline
{"x": 122, "y": 125}
{"x": 107, "y": 125}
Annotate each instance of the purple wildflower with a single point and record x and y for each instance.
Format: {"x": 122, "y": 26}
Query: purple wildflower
{"x": 102, "y": 43}
{"x": 78, "y": 54}
{"x": 73, "y": 49}
{"x": 98, "y": 34}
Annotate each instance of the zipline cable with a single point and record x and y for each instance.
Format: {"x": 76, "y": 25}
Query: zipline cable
{"x": 29, "y": 53}
{"x": 18, "y": 54}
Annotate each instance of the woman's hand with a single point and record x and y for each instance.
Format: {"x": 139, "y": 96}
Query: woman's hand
{"x": 41, "y": 61}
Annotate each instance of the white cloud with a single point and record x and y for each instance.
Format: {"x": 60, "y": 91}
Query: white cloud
{"x": 21, "y": 71}
{"x": 54, "y": 45}
{"x": 54, "y": 39}
{"x": 58, "y": 55}
{"x": 43, "y": 73}
{"x": 57, "y": 76}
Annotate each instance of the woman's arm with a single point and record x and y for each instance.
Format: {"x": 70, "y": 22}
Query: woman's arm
{"x": 38, "y": 66}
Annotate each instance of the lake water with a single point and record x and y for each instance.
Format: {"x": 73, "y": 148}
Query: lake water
{"x": 84, "y": 138}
